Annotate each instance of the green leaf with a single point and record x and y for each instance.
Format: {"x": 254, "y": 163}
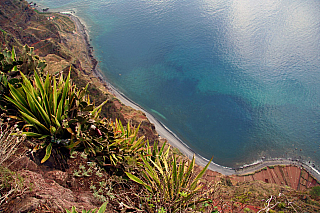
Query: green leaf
{"x": 34, "y": 121}
{"x": 37, "y": 107}
{"x": 53, "y": 130}
{"x": 83, "y": 92}
{"x": 13, "y": 54}
{"x": 59, "y": 110}
{"x": 194, "y": 184}
{"x": 181, "y": 172}
{"x": 174, "y": 174}
{"x": 48, "y": 153}
{"x": 189, "y": 171}
{"x": 97, "y": 110}
{"x": 74, "y": 209}
{"x": 39, "y": 83}
{"x": 45, "y": 92}
{"x": 17, "y": 103}
{"x": 55, "y": 96}
{"x": 73, "y": 144}
{"x": 88, "y": 108}
{"x": 27, "y": 83}
{"x": 136, "y": 179}
{"x": 103, "y": 207}
{"x": 44, "y": 136}
{"x": 32, "y": 134}
{"x": 150, "y": 171}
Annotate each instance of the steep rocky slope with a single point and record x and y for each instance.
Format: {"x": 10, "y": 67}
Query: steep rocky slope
{"x": 61, "y": 42}
{"x": 58, "y": 42}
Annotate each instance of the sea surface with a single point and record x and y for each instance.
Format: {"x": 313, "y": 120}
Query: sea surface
{"x": 235, "y": 79}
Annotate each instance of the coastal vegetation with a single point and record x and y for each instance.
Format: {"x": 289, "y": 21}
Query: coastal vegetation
{"x": 171, "y": 185}
{"x": 60, "y": 116}
{"x": 59, "y": 127}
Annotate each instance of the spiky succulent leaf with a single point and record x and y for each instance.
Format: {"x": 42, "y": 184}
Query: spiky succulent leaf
{"x": 48, "y": 153}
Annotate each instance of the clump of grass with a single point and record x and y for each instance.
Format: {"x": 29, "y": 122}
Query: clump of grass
{"x": 8, "y": 142}
{"x": 10, "y": 182}
{"x": 315, "y": 192}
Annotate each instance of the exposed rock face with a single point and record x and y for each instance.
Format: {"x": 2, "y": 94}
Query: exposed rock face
{"x": 27, "y": 204}
{"x": 21, "y": 25}
{"x": 47, "y": 188}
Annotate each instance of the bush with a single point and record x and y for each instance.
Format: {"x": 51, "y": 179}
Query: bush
{"x": 10, "y": 66}
{"x": 315, "y": 192}
{"x": 172, "y": 186}
{"x": 116, "y": 147}
{"x": 54, "y": 108}
{"x": 62, "y": 115}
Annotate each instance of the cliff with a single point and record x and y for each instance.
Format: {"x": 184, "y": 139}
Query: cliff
{"x": 58, "y": 42}
{"x": 61, "y": 40}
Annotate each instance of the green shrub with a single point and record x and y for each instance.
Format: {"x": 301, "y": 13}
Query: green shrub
{"x": 10, "y": 67}
{"x": 62, "y": 115}
{"x": 125, "y": 143}
{"x": 315, "y": 192}
{"x": 27, "y": 63}
{"x": 117, "y": 147}
{"x": 8, "y": 61}
{"x": 54, "y": 108}
{"x": 8, "y": 70}
{"x": 171, "y": 185}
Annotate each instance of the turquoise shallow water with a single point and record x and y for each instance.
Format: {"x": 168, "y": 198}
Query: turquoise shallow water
{"x": 237, "y": 80}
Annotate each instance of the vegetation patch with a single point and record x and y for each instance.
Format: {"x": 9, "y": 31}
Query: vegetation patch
{"x": 108, "y": 156}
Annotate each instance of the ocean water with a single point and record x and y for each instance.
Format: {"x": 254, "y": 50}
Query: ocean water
{"x": 237, "y": 80}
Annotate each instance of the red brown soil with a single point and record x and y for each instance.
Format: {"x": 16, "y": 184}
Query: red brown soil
{"x": 292, "y": 176}
{"x": 51, "y": 190}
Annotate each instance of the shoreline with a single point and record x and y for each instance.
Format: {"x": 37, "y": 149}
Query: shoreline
{"x": 171, "y": 137}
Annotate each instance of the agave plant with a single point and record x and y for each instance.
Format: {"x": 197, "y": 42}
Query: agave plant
{"x": 50, "y": 107}
{"x": 118, "y": 145}
{"x": 172, "y": 185}
{"x": 125, "y": 142}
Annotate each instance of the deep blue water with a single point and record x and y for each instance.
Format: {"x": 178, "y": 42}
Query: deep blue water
{"x": 236, "y": 80}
